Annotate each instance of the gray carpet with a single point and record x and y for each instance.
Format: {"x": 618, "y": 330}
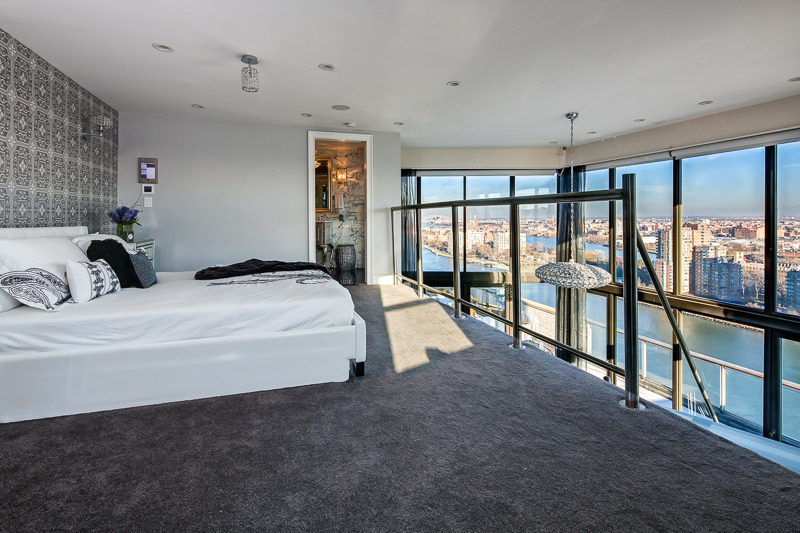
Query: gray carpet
{"x": 450, "y": 430}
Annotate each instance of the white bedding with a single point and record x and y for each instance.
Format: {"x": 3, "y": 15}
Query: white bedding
{"x": 179, "y": 308}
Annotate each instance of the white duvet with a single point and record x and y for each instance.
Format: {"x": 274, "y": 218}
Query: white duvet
{"x": 178, "y": 308}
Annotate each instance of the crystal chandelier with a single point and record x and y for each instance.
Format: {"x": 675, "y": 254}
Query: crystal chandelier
{"x": 249, "y": 74}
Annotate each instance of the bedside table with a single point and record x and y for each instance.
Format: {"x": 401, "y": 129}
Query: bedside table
{"x": 149, "y": 247}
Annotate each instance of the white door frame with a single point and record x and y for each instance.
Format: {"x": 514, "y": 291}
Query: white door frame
{"x": 312, "y": 238}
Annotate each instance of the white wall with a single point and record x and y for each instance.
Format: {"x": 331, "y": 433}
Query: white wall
{"x": 483, "y": 158}
{"x": 230, "y": 191}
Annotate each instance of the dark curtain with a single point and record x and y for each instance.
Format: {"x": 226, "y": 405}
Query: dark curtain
{"x": 408, "y": 224}
{"x": 570, "y": 245}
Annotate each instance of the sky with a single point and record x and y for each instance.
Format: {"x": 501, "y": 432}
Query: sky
{"x": 729, "y": 184}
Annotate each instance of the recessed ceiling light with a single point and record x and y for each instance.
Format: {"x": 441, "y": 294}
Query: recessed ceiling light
{"x": 453, "y": 83}
{"x": 591, "y": 133}
{"x": 796, "y": 78}
{"x": 397, "y": 123}
{"x": 350, "y": 124}
{"x": 340, "y": 107}
{"x": 639, "y": 119}
{"x": 705, "y": 102}
{"x": 553, "y": 142}
{"x": 326, "y": 67}
{"x": 162, "y": 47}
{"x": 198, "y": 106}
{"x": 307, "y": 115}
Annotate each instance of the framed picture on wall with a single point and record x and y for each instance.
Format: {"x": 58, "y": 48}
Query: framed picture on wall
{"x": 148, "y": 170}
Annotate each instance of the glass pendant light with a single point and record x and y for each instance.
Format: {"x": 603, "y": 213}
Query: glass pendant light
{"x": 249, "y": 74}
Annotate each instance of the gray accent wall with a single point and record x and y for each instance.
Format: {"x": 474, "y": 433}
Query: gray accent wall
{"x": 49, "y": 176}
{"x": 230, "y": 191}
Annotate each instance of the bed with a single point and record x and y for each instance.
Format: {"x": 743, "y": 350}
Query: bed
{"x": 181, "y": 339}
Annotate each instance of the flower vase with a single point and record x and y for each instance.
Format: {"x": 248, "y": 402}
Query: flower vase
{"x": 125, "y": 232}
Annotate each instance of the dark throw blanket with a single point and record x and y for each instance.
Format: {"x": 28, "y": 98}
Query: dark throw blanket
{"x": 255, "y": 266}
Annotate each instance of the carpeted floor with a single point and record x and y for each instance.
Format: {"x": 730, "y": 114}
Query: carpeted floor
{"x": 450, "y": 430}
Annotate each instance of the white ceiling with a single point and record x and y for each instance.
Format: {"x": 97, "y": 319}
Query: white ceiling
{"x": 523, "y": 63}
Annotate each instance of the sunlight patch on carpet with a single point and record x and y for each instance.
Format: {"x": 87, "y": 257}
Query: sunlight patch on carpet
{"x": 410, "y": 338}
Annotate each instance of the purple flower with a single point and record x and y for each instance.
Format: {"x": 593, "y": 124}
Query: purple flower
{"x": 124, "y": 215}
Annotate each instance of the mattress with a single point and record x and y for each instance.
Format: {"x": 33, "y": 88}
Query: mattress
{"x": 181, "y": 308}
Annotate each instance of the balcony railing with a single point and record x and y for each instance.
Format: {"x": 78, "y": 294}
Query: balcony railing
{"x": 635, "y": 347}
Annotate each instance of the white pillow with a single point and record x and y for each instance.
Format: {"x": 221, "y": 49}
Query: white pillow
{"x": 7, "y": 303}
{"x": 47, "y": 253}
{"x": 91, "y": 280}
{"x": 35, "y": 288}
{"x": 84, "y": 241}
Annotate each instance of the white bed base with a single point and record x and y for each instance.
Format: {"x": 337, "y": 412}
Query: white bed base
{"x": 47, "y": 384}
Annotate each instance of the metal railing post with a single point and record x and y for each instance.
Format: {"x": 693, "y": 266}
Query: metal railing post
{"x": 516, "y": 284}
{"x": 723, "y": 388}
{"x": 456, "y": 263}
{"x": 394, "y": 250}
{"x": 630, "y": 291}
{"x": 420, "y": 290}
{"x": 677, "y": 366}
{"x": 644, "y": 359}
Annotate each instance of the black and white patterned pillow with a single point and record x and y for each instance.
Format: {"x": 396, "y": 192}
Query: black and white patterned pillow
{"x": 36, "y": 287}
{"x": 88, "y": 281}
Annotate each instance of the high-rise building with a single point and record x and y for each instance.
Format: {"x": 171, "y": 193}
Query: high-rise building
{"x": 698, "y": 271}
{"x": 664, "y": 272}
{"x": 793, "y": 289}
{"x": 664, "y": 244}
{"x": 724, "y": 280}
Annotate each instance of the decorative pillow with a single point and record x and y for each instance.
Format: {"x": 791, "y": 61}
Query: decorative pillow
{"x": 116, "y": 255}
{"x": 47, "y": 253}
{"x": 36, "y": 287}
{"x": 144, "y": 269}
{"x": 91, "y": 280}
{"x": 84, "y": 241}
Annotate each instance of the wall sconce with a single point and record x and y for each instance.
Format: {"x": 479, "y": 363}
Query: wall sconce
{"x": 96, "y": 126}
{"x": 340, "y": 175}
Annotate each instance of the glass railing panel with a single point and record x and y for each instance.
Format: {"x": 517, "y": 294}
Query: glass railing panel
{"x": 487, "y": 248}
{"x": 537, "y": 241}
{"x": 790, "y": 400}
{"x": 727, "y": 343}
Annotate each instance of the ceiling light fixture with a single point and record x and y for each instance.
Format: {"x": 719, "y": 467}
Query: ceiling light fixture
{"x": 591, "y": 133}
{"x": 350, "y": 124}
{"x": 249, "y": 74}
{"x": 397, "y": 123}
{"x": 162, "y": 47}
{"x": 453, "y": 83}
{"x": 705, "y": 102}
{"x": 553, "y": 142}
{"x": 327, "y": 67}
{"x": 198, "y": 106}
{"x": 796, "y": 78}
{"x": 570, "y": 274}
{"x": 307, "y": 115}
{"x": 340, "y": 107}
{"x": 639, "y": 119}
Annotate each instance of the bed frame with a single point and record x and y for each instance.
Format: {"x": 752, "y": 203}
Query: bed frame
{"x": 47, "y": 384}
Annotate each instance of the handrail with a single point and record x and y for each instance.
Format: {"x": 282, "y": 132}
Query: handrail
{"x": 608, "y": 195}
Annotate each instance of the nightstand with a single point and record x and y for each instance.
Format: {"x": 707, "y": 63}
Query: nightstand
{"x": 149, "y": 247}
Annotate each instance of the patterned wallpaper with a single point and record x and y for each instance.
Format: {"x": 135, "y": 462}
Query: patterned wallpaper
{"x": 49, "y": 175}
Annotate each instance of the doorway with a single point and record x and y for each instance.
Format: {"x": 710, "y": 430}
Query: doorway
{"x": 340, "y": 187}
